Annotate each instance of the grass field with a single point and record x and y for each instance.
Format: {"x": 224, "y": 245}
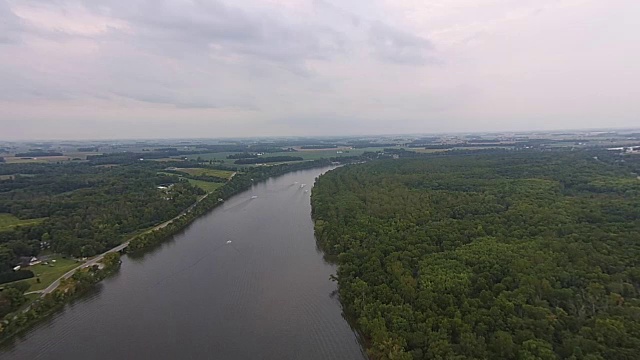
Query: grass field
{"x": 208, "y": 172}
{"x": 427, "y": 151}
{"x": 49, "y": 159}
{"x": 17, "y": 160}
{"x": 167, "y": 159}
{"x": 48, "y": 273}
{"x": 12, "y": 176}
{"x": 8, "y": 221}
{"x": 81, "y": 154}
{"x": 205, "y": 185}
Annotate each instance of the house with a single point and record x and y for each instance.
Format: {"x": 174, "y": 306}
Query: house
{"x": 24, "y": 260}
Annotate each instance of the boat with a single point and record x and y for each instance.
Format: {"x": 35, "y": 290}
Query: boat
{"x": 254, "y": 197}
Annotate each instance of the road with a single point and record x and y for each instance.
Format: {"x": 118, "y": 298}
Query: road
{"x": 95, "y": 260}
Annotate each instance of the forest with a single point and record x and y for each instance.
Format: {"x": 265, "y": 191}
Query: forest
{"x": 487, "y": 255}
{"x": 82, "y": 210}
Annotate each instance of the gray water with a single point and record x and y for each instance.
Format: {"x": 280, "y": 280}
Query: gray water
{"x": 265, "y": 295}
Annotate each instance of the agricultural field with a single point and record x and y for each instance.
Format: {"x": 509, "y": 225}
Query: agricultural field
{"x": 426, "y": 151}
{"x": 205, "y": 185}
{"x": 168, "y": 159}
{"x": 70, "y": 156}
{"x": 33, "y": 160}
{"x": 81, "y": 154}
{"x": 207, "y": 172}
{"x": 8, "y": 221}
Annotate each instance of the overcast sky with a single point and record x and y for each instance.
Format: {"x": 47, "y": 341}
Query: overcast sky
{"x": 207, "y": 68}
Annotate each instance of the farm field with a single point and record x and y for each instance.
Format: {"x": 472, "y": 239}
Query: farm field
{"x": 207, "y": 172}
{"x": 168, "y": 159}
{"x": 205, "y": 185}
{"x": 8, "y": 221}
{"x": 78, "y": 156}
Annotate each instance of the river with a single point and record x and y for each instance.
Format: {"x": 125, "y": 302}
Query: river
{"x": 245, "y": 281}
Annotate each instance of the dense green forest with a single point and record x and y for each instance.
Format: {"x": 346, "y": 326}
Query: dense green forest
{"x": 83, "y": 210}
{"x": 488, "y": 255}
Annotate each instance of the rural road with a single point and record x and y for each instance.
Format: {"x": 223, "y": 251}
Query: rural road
{"x": 97, "y": 259}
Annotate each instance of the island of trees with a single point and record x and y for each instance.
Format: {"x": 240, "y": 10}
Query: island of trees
{"x": 487, "y": 255}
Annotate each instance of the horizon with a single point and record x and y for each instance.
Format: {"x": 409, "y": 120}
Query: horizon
{"x": 363, "y": 135}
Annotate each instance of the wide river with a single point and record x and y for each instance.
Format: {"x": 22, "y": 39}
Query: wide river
{"x": 245, "y": 281}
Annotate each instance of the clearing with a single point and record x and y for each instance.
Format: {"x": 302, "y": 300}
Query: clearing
{"x": 48, "y": 273}
{"x": 9, "y": 221}
{"x": 205, "y": 185}
{"x": 225, "y": 174}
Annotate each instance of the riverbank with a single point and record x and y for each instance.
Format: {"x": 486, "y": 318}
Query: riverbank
{"x": 59, "y": 293}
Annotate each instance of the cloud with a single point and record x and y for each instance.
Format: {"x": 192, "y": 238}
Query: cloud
{"x": 10, "y": 24}
{"x": 396, "y": 46}
{"x": 303, "y": 67}
{"x": 182, "y": 53}
{"x": 214, "y": 27}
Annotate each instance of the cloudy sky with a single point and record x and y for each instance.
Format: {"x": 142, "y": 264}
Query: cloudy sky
{"x": 73, "y": 69}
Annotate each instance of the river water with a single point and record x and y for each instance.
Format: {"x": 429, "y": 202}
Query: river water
{"x": 264, "y": 295}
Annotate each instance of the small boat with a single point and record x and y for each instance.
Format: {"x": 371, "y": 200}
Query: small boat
{"x": 228, "y": 241}
{"x": 254, "y": 197}
{"x": 303, "y": 185}
{"x": 306, "y": 191}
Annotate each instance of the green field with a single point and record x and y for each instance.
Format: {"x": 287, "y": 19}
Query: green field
{"x": 167, "y": 159}
{"x": 8, "y": 221}
{"x": 207, "y": 172}
{"x": 205, "y": 185}
{"x": 48, "y": 273}
{"x": 66, "y": 157}
{"x": 12, "y": 176}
